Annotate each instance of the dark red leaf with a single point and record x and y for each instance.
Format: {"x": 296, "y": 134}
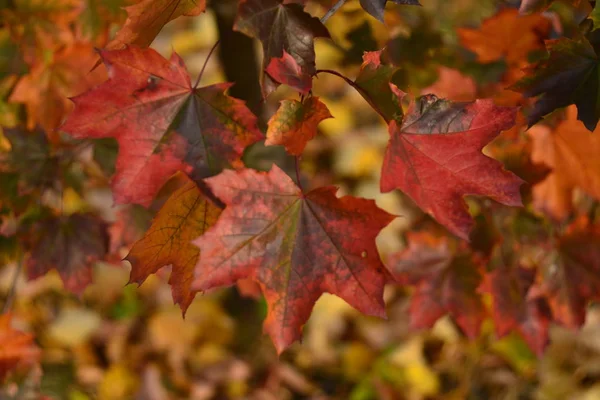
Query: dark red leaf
{"x": 281, "y": 25}
{"x": 69, "y": 244}
{"x": 435, "y": 157}
{"x": 512, "y": 310}
{"x": 445, "y": 281}
{"x": 287, "y": 71}
{"x": 296, "y": 246}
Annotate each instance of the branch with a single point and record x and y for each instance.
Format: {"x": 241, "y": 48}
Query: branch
{"x": 332, "y": 10}
{"x": 362, "y": 91}
{"x": 13, "y": 287}
{"x": 206, "y": 63}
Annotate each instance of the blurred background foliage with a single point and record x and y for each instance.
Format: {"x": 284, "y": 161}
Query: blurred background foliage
{"x": 127, "y": 342}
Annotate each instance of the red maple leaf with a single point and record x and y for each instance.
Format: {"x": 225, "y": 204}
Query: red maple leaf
{"x": 512, "y": 310}
{"x": 162, "y": 123}
{"x": 445, "y": 281}
{"x": 569, "y": 278}
{"x": 295, "y": 245}
{"x": 287, "y": 71}
{"x": 435, "y": 157}
{"x": 70, "y": 245}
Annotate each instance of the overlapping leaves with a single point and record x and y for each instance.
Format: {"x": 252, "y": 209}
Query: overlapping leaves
{"x": 162, "y": 123}
{"x": 295, "y": 245}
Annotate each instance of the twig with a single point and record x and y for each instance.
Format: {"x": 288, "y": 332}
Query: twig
{"x": 13, "y": 287}
{"x": 297, "y": 162}
{"x": 362, "y": 91}
{"x": 206, "y": 63}
{"x": 332, "y": 10}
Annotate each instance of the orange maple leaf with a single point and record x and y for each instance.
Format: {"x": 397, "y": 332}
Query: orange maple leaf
{"x": 571, "y": 150}
{"x": 45, "y": 90}
{"x": 16, "y": 347}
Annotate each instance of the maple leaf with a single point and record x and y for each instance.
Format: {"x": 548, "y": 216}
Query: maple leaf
{"x": 146, "y": 18}
{"x": 281, "y": 25}
{"x": 376, "y": 7}
{"x": 572, "y": 152}
{"x": 506, "y": 36}
{"x": 16, "y": 347}
{"x": 567, "y": 76}
{"x": 445, "y": 281}
{"x": 130, "y": 225}
{"x": 40, "y": 24}
{"x": 569, "y": 277}
{"x": 435, "y": 157}
{"x": 44, "y": 90}
{"x": 185, "y": 215}
{"x": 97, "y": 17}
{"x": 71, "y": 245}
{"x": 295, "y": 123}
{"x": 374, "y": 82}
{"x": 452, "y": 85}
{"x": 513, "y": 310}
{"x": 295, "y": 245}
{"x": 163, "y": 124}
{"x": 287, "y": 71}
{"x": 29, "y": 156}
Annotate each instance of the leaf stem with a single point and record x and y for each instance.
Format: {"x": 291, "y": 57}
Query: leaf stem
{"x": 206, "y": 62}
{"x": 297, "y": 162}
{"x": 362, "y": 91}
{"x": 332, "y": 10}
{"x": 13, "y": 287}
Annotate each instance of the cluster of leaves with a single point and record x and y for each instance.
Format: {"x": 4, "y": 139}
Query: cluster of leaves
{"x": 217, "y": 221}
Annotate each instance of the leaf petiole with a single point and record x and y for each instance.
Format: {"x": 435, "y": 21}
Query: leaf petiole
{"x": 359, "y": 89}
{"x": 206, "y": 63}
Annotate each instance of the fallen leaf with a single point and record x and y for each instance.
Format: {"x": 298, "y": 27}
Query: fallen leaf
{"x": 296, "y": 246}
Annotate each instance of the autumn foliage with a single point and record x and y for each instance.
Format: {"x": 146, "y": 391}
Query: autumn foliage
{"x": 491, "y": 140}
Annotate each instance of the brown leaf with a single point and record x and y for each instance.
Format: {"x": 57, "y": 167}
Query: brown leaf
{"x": 186, "y": 215}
